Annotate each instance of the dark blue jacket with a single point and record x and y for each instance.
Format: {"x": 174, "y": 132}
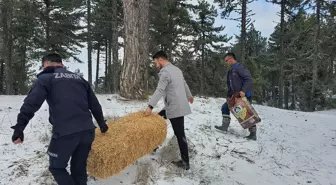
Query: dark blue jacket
{"x": 239, "y": 79}
{"x": 70, "y": 99}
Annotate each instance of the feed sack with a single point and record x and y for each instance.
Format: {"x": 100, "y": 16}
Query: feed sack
{"x": 243, "y": 111}
{"x": 128, "y": 139}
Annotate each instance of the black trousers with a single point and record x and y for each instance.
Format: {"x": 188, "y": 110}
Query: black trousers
{"x": 77, "y": 146}
{"x": 178, "y": 127}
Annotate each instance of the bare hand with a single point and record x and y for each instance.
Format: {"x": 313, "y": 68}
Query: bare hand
{"x": 242, "y": 94}
{"x": 18, "y": 141}
{"x": 191, "y": 100}
{"x": 148, "y": 111}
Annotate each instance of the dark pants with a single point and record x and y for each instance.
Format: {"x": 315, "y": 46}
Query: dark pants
{"x": 77, "y": 146}
{"x": 178, "y": 127}
{"x": 226, "y": 113}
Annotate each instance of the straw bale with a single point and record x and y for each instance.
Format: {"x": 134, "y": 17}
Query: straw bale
{"x": 128, "y": 139}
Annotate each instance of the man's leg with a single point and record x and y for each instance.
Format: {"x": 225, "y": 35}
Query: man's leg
{"x": 60, "y": 151}
{"x": 226, "y": 118}
{"x": 178, "y": 127}
{"x": 80, "y": 156}
{"x": 162, "y": 113}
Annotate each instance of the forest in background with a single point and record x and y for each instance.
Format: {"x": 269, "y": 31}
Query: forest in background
{"x": 294, "y": 69}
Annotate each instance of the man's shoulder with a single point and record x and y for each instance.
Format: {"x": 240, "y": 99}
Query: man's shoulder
{"x": 241, "y": 65}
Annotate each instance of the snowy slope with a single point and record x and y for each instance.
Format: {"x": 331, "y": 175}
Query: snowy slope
{"x": 292, "y": 148}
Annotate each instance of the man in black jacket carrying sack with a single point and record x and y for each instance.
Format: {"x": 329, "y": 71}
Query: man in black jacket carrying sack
{"x": 239, "y": 80}
{"x": 71, "y": 105}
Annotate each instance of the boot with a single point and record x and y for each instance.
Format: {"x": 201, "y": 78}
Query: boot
{"x": 225, "y": 124}
{"x": 181, "y": 164}
{"x": 154, "y": 151}
{"x": 252, "y": 136}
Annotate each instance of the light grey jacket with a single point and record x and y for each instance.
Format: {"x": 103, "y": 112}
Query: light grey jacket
{"x": 175, "y": 91}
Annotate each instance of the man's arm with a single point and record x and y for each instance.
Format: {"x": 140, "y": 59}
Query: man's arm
{"x": 160, "y": 89}
{"x": 229, "y": 92}
{"x": 96, "y": 109}
{"x": 247, "y": 78}
{"x": 187, "y": 90}
{"x": 31, "y": 104}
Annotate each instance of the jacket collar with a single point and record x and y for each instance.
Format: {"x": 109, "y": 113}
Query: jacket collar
{"x": 166, "y": 65}
{"x": 50, "y": 69}
{"x": 235, "y": 66}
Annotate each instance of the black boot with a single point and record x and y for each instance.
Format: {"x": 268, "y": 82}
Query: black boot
{"x": 225, "y": 124}
{"x": 154, "y": 151}
{"x": 182, "y": 164}
{"x": 252, "y": 136}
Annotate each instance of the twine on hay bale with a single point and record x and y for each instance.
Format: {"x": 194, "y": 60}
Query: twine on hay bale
{"x": 128, "y": 139}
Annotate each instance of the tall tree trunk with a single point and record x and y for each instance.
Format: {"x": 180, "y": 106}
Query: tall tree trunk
{"x": 133, "y": 78}
{"x": 281, "y": 76}
{"x": 331, "y": 72}
{"x": 106, "y": 66}
{"x": 243, "y": 30}
{"x": 293, "y": 95}
{"x": 97, "y": 66}
{"x": 2, "y": 75}
{"x": 202, "y": 65}
{"x": 143, "y": 40}
{"x": 286, "y": 95}
{"x": 89, "y": 41}
{"x": 8, "y": 45}
{"x": 274, "y": 94}
{"x": 23, "y": 69}
{"x": 115, "y": 46}
{"x": 312, "y": 102}
{"x": 109, "y": 67}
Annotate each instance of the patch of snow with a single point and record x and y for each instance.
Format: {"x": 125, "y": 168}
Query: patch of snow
{"x": 292, "y": 148}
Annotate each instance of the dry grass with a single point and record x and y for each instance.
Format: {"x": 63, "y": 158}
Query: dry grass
{"x": 128, "y": 139}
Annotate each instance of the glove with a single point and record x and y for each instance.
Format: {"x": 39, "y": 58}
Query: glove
{"x": 17, "y": 135}
{"x": 163, "y": 114}
{"x": 104, "y": 128}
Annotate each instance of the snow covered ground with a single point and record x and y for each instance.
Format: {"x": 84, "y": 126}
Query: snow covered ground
{"x": 292, "y": 148}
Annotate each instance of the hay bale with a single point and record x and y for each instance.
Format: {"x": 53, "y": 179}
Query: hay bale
{"x": 128, "y": 139}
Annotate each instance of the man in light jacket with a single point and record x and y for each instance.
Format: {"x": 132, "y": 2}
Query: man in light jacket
{"x": 176, "y": 93}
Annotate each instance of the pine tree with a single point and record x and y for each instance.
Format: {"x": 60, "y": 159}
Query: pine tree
{"x": 170, "y": 24}
{"x": 240, "y": 7}
{"x": 59, "y": 27}
{"x": 208, "y": 38}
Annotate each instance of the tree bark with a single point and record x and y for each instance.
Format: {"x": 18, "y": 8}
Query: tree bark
{"x": 312, "y": 101}
{"x": 89, "y": 41}
{"x": 97, "y": 66}
{"x": 134, "y": 73}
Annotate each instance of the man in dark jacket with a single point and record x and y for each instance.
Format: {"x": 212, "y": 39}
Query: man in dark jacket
{"x": 239, "y": 80}
{"x": 71, "y": 102}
